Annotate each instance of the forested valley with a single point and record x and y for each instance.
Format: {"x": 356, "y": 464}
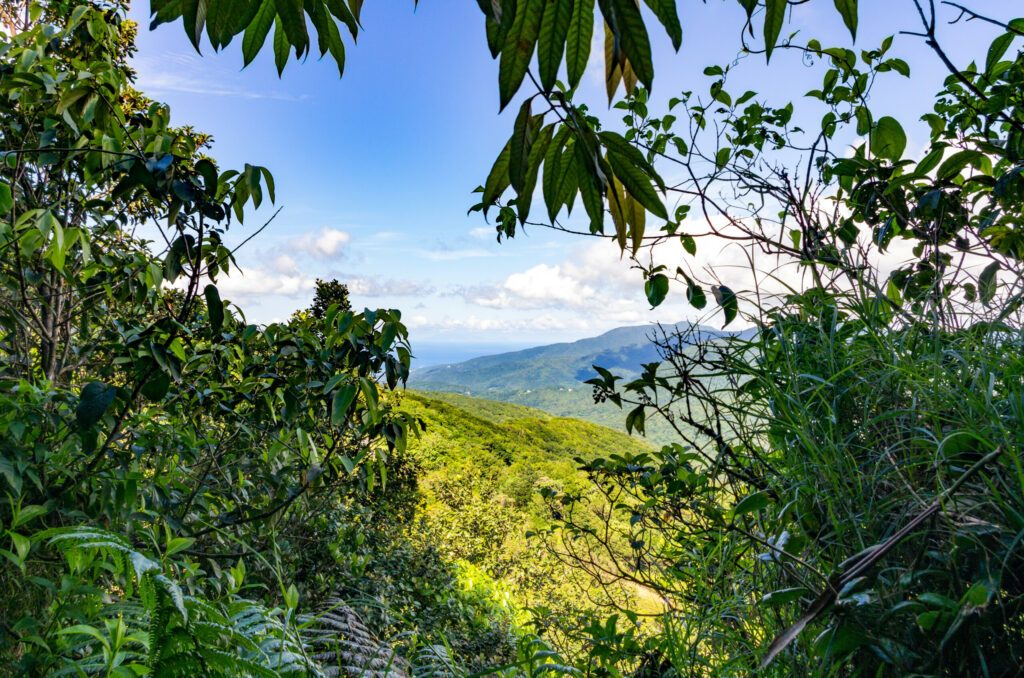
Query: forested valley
{"x": 832, "y": 484}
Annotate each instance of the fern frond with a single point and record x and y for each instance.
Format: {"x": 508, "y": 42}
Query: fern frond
{"x": 344, "y": 646}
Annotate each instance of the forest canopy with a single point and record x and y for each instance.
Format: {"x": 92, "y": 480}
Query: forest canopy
{"x": 187, "y": 492}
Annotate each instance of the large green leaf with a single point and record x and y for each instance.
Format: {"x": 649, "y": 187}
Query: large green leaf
{"x": 518, "y": 48}
{"x": 987, "y": 283}
{"x": 341, "y": 402}
{"x": 638, "y": 183}
{"x": 726, "y": 298}
{"x": 497, "y": 179}
{"x": 328, "y": 36}
{"x": 888, "y": 140}
{"x": 293, "y": 20}
{"x": 214, "y": 307}
{"x": 6, "y": 198}
{"x": 524, "y": 197}
{"x": 591, "y": 188}
{"x": 666, "y": 12}
{"x": 577, "y": 47}
{"x": 93, "y": 401}
{"x": 627, "y": 25}
{"x": 554, "y": 172}
{"x": 256, "y": 32}
{"x": 554, "y": 29}
{"x": 774, "y": 17}
{"x": 519, "y": 144}
{"x": 848, "y": 10}
{"x": 656, "y": 289}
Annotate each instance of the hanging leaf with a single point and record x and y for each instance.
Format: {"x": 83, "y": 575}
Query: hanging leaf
{"x": 888, "y": 140}
{"x": 656, "y": 289}
{"x": 987, "y": 283}
{"x": 774, "y": 17}
{"x": 666, "y": 12}
{"x": 214, "y": 307}
{"x": 577, "y": 47}
{"x": 524, "y": 197}
{"x": 341, "y": 403}
{"x": 623, "y": 16}
{"x": 554, "y": 29}
{"x": 157, "y": 386}
{"x": 726, "y": 298}
{"x": 518, "y": 47}
{"x": 520, "y": 144}
{"x": 93, "y": 402}
{"x": 554, "y": 173}
{"x": 293, "y": 21}
{"x": 750, "y": 504}
{"x": 638, "y": 183}
{"x": 848, "y": 10}
{"x": 498, "y": 178}
{"x": 6, "y": 199}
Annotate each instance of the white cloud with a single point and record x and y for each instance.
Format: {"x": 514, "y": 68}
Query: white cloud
{"x": 484, "y": 233}
{"x": 259, "y": 282}
{"x": 284, "y": 264}
{"x": 386, "y": 287}
{"x": 455, "y": 254}
{"x": 327, "y": 243}
{"x": 183, "y": 73}
{"x": 544, "y": 322}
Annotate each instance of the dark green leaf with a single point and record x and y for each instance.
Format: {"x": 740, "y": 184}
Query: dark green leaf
{"x": 656, "y": 289}
{"x": 784, "y": 596}
{"x": 750, "y": 504}
{"x": 554, "y": 172}
{"x": 280, "y": 46}
{"x": 524, "y": 197}
{"x": 774, "y": 17}
{"x": 955, "y": 164}
{"x": 498, "y": 179}
{"x": 341, "y": 402}
{"x": 581, "y": 32}
{"x": 695, "y": 295}
{"x": 635, "y": 420}
{"x": 340, "y": 11}
{"x": 848, "y": 10}
{"x": 996, "y": 50}
{"x": 627, "y": 25}
{"x": 93, "y": 401}
{"x": 520, "y": 144}
{"x": 638, "y": 183}
{"x": 215, "y": 308}
{"x": 722, "y": 157}
{"x": 591, "y": 187}
{"x": 293, "y": 20}
{"x": 518, "y": 48}
{"x": 554, "y": 29}
{"x": 6, "y": 199}
{"x": 156, "y": 386}
{"x": 726, "y": 298}
{"x": 987, "y": 283}
{"x": 328, "y": 37}
{"x": 666, "y": 12}
{"x": 617, "y": 143}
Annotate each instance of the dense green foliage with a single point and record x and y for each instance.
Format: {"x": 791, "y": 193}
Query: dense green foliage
{"x": 184, "y": 492}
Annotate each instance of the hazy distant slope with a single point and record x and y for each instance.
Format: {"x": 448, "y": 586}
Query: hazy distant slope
{"x": 550, "y": 377}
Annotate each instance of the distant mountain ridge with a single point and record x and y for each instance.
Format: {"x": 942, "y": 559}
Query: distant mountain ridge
{"x": 551, "y": 377}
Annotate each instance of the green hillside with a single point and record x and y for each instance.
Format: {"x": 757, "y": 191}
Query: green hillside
{"x": 551, "y": 377}
{"x": 524, "y": 443}
{"x": 483, "y": 465}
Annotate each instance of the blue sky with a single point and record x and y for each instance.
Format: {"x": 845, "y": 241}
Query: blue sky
{"x": 374, "y": 171}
